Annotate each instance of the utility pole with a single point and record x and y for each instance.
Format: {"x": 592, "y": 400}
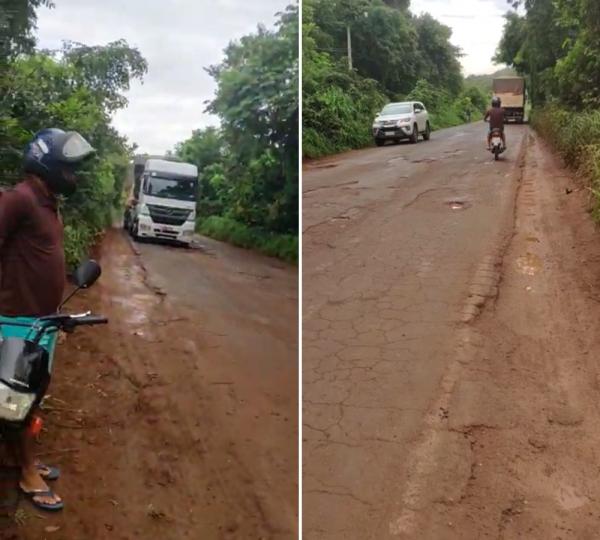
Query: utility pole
{"x": 349, "y": 39}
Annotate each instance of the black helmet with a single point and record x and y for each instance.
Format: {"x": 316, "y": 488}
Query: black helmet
{"x": 496, "y": 101}
{"x": 54, "y": 155}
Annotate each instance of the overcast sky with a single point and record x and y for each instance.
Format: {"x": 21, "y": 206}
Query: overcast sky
{"x": 178, "y": 38}
{"x": 476, "y": 28}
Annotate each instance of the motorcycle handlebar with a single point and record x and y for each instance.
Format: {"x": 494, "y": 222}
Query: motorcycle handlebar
{"x": 88, "y": 320}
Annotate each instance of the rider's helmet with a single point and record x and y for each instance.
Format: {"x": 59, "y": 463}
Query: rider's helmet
{"x": 496, "y": 101}
{"x": 54, "y": 156}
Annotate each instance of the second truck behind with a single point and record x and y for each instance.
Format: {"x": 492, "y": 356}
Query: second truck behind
{"x": 511, "y": 90}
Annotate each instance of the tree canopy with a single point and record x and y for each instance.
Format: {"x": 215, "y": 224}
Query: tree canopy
{"x": 562, "y": 64}
{"x": 76, "y": 88}
{"x": 250, "y": 164}
{"x": 395, "y": 55}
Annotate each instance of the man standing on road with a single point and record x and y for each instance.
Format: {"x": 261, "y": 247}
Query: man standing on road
{"x": 495, "y": 115}
{"x": 32, "y": 266}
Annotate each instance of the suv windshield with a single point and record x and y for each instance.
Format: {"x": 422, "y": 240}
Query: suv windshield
{"x": 169, "y": 188}
{"x": 396, "y": 108}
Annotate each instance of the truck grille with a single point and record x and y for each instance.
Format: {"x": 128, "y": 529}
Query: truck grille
{"x": 167, "y": 215}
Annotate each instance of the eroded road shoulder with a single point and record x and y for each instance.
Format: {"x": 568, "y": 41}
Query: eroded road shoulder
{"x": 526, "y": 407}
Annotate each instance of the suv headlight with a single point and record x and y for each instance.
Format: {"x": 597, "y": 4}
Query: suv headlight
{"x": 403, "y": 121}
{"x": 377, "y": 124}
{"x": 14, "y": 406}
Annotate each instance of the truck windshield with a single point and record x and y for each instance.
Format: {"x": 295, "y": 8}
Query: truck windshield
{"x": 396, "y": 108}
{"x": 169, "y": 188}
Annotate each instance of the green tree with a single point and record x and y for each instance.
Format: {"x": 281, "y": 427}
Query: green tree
{"x": 395, "y": 54}
{"x": 17, "y": 22}
{"x": 105, "y": 70}
{"x": 438, "y": 57}
{"x": 514, "y": 36}
{"x": 41, "y": 90}
{"x": 207, "y": 150}
{"x": 257, "y": 102}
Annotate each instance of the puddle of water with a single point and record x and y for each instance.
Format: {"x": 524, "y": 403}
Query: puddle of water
{"x": 137, "y": 307}
{"x": 395, "y": 160}
{"x": 529, "y": 264}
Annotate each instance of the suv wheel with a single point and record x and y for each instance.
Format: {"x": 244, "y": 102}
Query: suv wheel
{"x": 414, "y": 137}
{"x": 427, "y": 134}
{"x": 135, "y": 231}
{"x": 379, "y": 142}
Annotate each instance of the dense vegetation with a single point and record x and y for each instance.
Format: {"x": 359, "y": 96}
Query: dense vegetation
{"x": 396, "y": 56}
{"x": 76, "y": 88}
{"x": 563, "y": 70}
{"x": 249, "y": 166}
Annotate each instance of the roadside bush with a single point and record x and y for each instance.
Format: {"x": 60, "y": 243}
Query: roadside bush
{"x": 576, "y": 136}
{"x": 446, "y": 111}
{"x": 283, "y": 246}
{"x": 338, "y": 108}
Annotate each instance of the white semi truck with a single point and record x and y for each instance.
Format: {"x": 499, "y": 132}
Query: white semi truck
{"x": 162, "y": 201}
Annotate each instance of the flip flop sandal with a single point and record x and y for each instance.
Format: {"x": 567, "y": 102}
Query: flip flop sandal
{"x": 51, "y": 507}
{"x": 47, "y": 472}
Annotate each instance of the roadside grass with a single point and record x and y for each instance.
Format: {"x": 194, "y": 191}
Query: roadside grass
{"x": 282, "y": 246}
{"x": 576, "y": 136}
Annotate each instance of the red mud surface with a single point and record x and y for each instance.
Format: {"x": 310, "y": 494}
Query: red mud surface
{"x": 179, "y": 419}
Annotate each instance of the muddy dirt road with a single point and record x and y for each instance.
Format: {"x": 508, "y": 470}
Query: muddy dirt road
{"x": 179, "y": 419}
{"x": 451, "y": 381}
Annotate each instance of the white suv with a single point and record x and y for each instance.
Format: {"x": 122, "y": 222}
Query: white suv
{"x": 405, "y": 120}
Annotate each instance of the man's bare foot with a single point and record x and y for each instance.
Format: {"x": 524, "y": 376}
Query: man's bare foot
{"x": 31, "y": 481}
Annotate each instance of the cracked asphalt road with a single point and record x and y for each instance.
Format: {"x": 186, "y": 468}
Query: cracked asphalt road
{"x": 394, "y": 240}
{"x": 451, "y": 379}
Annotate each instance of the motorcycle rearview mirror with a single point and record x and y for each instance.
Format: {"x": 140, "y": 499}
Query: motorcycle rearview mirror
{"x": 84, "y": 277}
{"x": 87, "y": 274}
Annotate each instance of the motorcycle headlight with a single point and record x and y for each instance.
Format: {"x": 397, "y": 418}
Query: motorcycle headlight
{"x": 14, "y": 406}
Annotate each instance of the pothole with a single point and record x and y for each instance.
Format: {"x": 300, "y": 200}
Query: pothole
{"x": 424, "y": 160}
{"x": 329, "y": 165}
{"x": 529, "y": 264}
{"x": 458, "y": 205}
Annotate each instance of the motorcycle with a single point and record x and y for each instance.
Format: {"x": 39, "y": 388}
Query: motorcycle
{"x": 496, "y": 144}
{"x": 26, "y": 364}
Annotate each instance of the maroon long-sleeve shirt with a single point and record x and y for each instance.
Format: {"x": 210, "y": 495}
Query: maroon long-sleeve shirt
{"x": 32, "y": 261}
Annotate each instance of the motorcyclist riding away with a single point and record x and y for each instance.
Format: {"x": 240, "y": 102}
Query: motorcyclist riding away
{"x": 495, "y": 115}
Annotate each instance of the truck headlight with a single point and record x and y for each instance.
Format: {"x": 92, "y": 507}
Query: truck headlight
{"x": 144, "y": 210}
{"x": 14, "y": 406}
